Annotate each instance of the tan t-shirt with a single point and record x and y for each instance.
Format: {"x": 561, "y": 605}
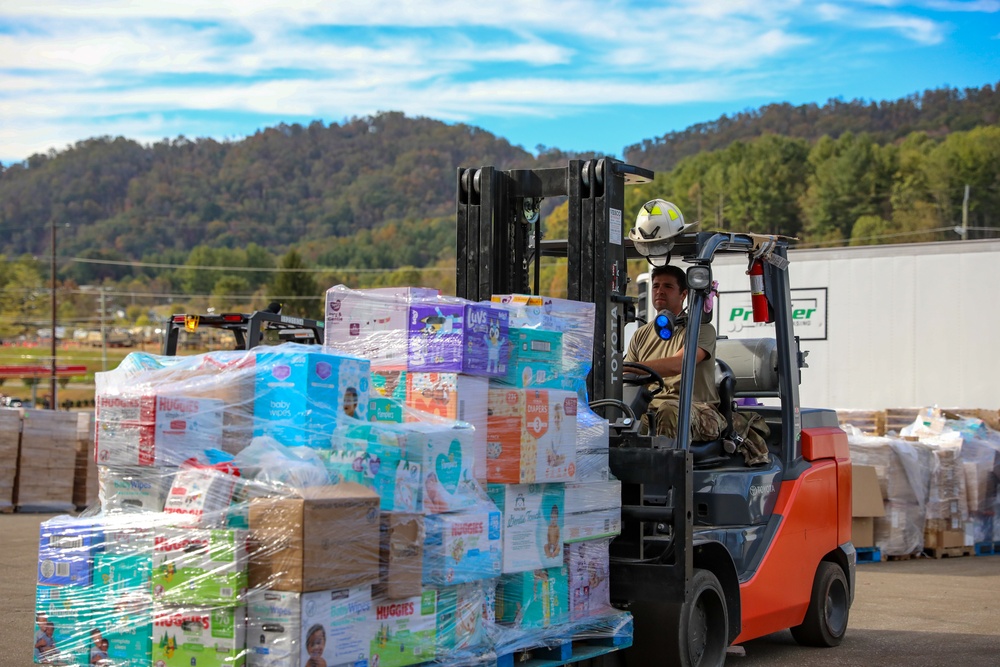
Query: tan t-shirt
{"x": 645, "y": 344}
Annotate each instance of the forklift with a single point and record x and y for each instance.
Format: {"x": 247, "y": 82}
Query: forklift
{"x": 712, "y": 552}
{"x": 246, "y": 330}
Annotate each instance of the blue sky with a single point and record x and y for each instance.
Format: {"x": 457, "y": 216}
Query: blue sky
{"x": 572, "y": 74}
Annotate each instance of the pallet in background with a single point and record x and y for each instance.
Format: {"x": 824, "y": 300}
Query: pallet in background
{"x": 949, "y": 552}
{"x": 569, "y": 651}
{"x": 869, "y": 555}
{"x": 987, "y": 549}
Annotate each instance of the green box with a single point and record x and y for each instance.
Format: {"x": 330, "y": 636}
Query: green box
{"x": 405, "y": 630}
{"x": 537, "y": 599}
{"x": 200, "y": 567}
{"x": 199, "y": 636}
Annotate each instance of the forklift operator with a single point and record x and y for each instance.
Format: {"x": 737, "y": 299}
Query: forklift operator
{"x": 669, "y": 290}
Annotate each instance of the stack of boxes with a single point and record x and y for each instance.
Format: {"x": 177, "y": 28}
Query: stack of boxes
{"x": 47, "y": 461}
{"x": 10, "y": 438}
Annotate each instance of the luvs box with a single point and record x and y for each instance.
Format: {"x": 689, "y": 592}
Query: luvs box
{"x": 459, "y": 338}
{"x": 462, "y": 546}
{"x": 302, "y": 396}
{"x": 531, "y": 435}
{"x": 201, "y": 636}
{"x": 200, "y": 567}
{"x": 405, "y": 630}
{"x": 456, "y": 397}
{"x": 155, "y": 430}
{"x": 66, "y": 550}
{"x": 328, "y": 539}
{"x": 532, "y": 524}
{"x": 535, "y": 359}
{"x": 537, "y": 599}
{"x": 286, "y": 629}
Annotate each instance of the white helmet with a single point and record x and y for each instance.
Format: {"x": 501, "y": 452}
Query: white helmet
{"x": 657, "y": 223}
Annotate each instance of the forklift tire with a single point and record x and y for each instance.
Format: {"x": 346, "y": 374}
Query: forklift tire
{"x": 702, "y": 625}
{"x": 826, "y": 618}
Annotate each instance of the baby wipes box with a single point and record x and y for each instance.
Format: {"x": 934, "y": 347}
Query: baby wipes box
{"x": 531, "y": 435}
{"x": 405, "y": 630}
{"x": 337, "y": 626}
{"x": 537, "y": 599}
{"x": 200, "y": 567}
{"x": 199, "y": 636}
{"x": 462, "y": 546}
{"x": 302, "y": 396}
{"x": 532, "y": 524}
{"x": 124, "y": 489}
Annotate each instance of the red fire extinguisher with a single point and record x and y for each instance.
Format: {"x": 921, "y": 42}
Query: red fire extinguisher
{"x": 757, "y": 296}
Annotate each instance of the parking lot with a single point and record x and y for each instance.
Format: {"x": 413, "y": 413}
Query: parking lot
{"x": 920, "y": 612}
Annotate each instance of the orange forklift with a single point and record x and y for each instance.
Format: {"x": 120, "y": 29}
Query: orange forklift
{"x": 713, "y": 552}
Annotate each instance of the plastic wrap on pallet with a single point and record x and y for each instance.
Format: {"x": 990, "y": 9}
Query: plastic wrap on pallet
{"x": 552, "y": 341}
{"x": 592, "y": 446}
{"x": 531, "y": 435}
{"x": 416, "y": 329}
{"x": 593, "y": 510}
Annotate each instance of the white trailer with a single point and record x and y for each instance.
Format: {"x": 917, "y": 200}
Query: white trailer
{"x": 888, "y": 326}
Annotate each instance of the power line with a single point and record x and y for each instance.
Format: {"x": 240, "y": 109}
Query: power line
{"x": 150, "y": 265}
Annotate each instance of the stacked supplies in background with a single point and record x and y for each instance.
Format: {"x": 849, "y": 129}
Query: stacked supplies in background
{"x": 47, "y": 461}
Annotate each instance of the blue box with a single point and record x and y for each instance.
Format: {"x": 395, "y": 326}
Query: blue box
{"x": 117, "y": 575}
{"x": 66, "y": 551}
{"x": 535, "y": 359}
{"x": 460, "y": 547}
{"x": 302, "y": 396}
{"x": 536, "y": 599}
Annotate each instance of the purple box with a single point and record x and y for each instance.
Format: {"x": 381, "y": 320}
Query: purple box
{"x": 459, "y": 338}
{"x": 66, "y": 551}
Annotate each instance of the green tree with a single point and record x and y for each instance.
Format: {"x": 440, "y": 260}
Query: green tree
{"x": 296, "y": 288}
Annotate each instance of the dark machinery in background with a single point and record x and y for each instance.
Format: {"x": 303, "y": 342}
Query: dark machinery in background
{"x": 712, "y": 552}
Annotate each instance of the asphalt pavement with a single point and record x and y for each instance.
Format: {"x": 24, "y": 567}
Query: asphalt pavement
{"x": 918, "y": 613}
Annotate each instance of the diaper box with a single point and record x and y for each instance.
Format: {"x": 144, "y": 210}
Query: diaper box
{"x": 460, "y": 338}
{"x": 286, "y": 629}
{"x": 62, "y": 626}
{"x": 535, "y": 359}
{"x": 446, "y": 455}
{"x": 532, "y": 524}
{"x": 375, "y": 456}
{"x": 462, "y": 546}
{"x": 592, "y": 447}
{"x": 456, "y": 397}
{"x": 132, "y": 488}
{"x": 200, "y": 636}
{"x": 531, "y": 435}
{"x": 200, "y": 494}
{"x": 460, "y": 625}
{"x": 372, "y": 323}
{"x": 326, "y": 540}
{"x": 154, "y": 430}
{"x": 301, "y": 396}
{"x": 595, "y": 510}
{"x": 199, "y": 566}
{"x": 388, "y": 395}
{"x": 66, "y": 550}
{"x": 405, "y": 630}
{"x": 589, "y": 590}
{"x": 119, "y": 575}
{"x": 534, "y": 599}
{"x": 124, "y": 633}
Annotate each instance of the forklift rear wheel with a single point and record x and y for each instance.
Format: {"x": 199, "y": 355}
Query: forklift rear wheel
{"x": 826, "y": 618}
{"x": 702, "y": 624}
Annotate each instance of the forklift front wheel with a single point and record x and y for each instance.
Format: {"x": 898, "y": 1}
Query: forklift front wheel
{"x": 702, "y": 624}
{"x": 826, "y": 618}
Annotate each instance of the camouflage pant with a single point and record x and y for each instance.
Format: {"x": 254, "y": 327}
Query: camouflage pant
{"x": 706, "y": 421}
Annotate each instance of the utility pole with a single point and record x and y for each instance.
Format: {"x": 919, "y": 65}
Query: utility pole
{"x": 104, "y": 335}
{"x": 52, "y": 397}
{"x": 965, "y": 214}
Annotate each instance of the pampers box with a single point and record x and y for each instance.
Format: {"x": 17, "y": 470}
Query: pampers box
{"x": 531, "y": 435}
{"x": 286, "y": 629}
{"x": 63, "y": 620}
{"x": 446, "y": 455}
{"x": 537, "y": 599}
{"x": 535, "y": 359}
{"x": 532, "y": 524}
{"x": 154, "y": 430}
{"x": 118, "y": 575}
{"x": 460, "y": 624}
{"x": 388, "y": 395}
{"x": 199, "y": 636}
{"x": 200, "y": 567}
{"x": 461, "y": 547}
{"x": 405, "y": 630}
{"x": 127, "y": 626}
{"x": 301, "y": 395}
{"x": 456, "y": 397}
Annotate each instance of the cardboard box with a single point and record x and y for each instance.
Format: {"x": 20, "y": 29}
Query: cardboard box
{"x": 588, "y": 568}
{"x": 866, "y": 503}
{"x": 531, "y": 435}
{"x": 284, "y": 627}
{"x": 302, "y": 396}
{"x": 533, "y": 517}
{"x": 66, "y": 550}
{"x": 401, "y": 554}
{"x": 863, "y": 531}
{"x": 405, "y": 630}
{"x": 460, "y": 547}
{"x": 153, "y": 430}
{"x": 200, "y": 567}
{"x": 202, "y": 636}
{"x": 373, "y": 322}
{"x": 326, "y": 540}
{"x": 46, "y": 463}
{"x": 10, "y": 440}
{"x": 533, "y": 599}
{"x": 456, "y": 397}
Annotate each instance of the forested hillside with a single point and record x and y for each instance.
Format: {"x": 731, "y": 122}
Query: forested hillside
{"x": 936, "y": 112}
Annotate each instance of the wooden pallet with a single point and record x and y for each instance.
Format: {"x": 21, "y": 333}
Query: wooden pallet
{"x": 949, "y": 552}
{"x": 569, "y": 650}
{"x": 888, "y": 557}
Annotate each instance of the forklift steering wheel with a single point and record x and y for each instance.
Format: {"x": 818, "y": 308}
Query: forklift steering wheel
{"x": 641, "y": 375}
